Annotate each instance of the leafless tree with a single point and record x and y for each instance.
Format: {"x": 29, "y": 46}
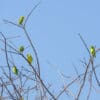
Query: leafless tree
{"x": 29, "y": 82}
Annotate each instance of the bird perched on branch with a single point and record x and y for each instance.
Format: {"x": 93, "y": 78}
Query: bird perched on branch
{"x": 21, "y": 49}
{"x": 29, "y": 58}
{"x": 92, "y": 51}
{"x": 21, "y": 19}
{"x": 15, "y": 70}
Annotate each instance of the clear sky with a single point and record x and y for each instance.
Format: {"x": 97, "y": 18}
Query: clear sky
{"x": 54, "y": 28}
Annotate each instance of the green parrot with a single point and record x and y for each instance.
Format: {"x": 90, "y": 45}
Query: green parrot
{"x": 21, "y": 49}
{"x": 21, "y": 19}
{"x": 15, "y": 70}
{"x": 92, "y": 51}
{"x": 29, "y": 58}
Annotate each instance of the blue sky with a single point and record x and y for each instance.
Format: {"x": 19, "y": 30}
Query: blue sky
{"x": 54, "y": 28}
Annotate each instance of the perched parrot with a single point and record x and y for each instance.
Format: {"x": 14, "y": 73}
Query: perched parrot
{"x": 15, "y": 70}
{"x": 21, "y": 19}
{"x": 92, "y": 51}
{"x": 21, "y": 49}
{"x": 29, "y": 58}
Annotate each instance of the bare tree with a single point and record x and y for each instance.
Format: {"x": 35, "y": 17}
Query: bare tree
{"x": 18, "y": 83}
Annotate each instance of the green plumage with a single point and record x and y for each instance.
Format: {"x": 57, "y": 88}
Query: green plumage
{"x": 92, "y": 51}
{"x": 15, "y": 70}
{"x": 29, "y": 58}
{"x": 21, "y": 19}
{"x": 21, "y": 49}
